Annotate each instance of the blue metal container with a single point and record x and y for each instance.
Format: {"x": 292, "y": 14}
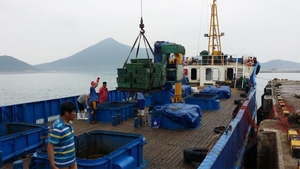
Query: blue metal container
{"x": 158, "y": 98}
{"x": 101, "y": 149}
{"x": 21, "y": 138}
{"x": 205, "y": 101}
{"x": 31, "y": 112}
{"x": 105, "y": 111}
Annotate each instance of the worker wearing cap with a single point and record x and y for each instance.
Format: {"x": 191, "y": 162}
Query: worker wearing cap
{"x": 93, "y": 99}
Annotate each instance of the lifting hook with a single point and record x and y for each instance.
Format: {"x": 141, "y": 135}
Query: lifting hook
{"x": 142, "y": 26}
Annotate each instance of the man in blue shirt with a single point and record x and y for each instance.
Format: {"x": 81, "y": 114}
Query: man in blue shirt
{"x": 141, "y": 103}
{"x": 93, "y": 100}
{"x": 61, "y": 146}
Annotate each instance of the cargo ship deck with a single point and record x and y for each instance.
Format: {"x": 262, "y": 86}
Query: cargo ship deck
{"x": 164, "y": 148}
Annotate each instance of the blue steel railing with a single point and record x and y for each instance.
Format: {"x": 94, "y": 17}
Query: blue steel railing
{"x": 226, "y": 152}
{"x": 33, "y": 111}
{"x": 229, "y": 151}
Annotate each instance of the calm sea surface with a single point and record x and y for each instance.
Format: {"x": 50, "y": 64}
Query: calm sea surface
{"x": 22, "y": 88}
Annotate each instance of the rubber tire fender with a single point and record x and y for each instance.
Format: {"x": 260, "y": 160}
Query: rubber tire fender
{"x": 195, "y": 154}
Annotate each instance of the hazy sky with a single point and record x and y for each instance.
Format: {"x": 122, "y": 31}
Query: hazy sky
{"x": 40, "y": 31}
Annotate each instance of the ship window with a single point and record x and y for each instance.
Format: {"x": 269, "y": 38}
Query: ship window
{"x": 193, "y": 74}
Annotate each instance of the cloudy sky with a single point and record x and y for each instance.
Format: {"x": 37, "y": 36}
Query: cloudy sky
{"x": 40, "y": 31}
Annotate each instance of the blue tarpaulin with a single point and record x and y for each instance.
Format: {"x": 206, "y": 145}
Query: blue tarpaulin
{"x": 187, "y": 115}
{"x": 223, "y": 92}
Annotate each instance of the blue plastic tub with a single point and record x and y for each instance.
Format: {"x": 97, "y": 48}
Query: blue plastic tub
{"x": 18, "y": 139}
{"x": 204, "y": 100}
{"x": 123, "y": 110}
{"x": 101, "y": 149}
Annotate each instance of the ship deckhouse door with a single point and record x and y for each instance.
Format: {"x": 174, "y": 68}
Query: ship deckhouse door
{"x": 215, "y": 75}
{"x": 229, "y": 74}
{"x": 208, "y": 74}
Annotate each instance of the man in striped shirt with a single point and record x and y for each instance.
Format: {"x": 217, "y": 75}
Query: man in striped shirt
{"x": 61, "y": 146}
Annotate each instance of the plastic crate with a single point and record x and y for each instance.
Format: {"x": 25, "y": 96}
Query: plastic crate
{"x": 143, "y": 70}
{"x": 17, "y": 139}
{"x": 121, "y": 80}
{"x": 205, "y": 101}
{"x": 121, "y": 70}
{"x": 124, "y": 85}
{"x": 134, "y": 66}
{"x": 101, "y": 149}
{"x": 142, "y": 60}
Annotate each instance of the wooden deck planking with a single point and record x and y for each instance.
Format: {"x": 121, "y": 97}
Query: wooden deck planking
{"x": 164, "y": 148}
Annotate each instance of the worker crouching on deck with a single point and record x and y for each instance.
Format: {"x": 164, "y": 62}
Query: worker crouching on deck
{"x": 141, "y": 103}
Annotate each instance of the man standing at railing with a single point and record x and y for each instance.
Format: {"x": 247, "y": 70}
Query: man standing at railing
{"x": 103, "y": 93}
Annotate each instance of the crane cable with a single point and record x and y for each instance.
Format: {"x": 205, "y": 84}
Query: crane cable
{"x": 138, "y": 39}
{"x": 141, "y": 8}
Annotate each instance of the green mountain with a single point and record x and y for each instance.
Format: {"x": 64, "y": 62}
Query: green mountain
{"x": 107, "y": 55}
{"x": 9, "y": 64}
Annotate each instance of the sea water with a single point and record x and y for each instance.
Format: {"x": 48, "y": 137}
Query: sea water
{"x": 30, "y": 87}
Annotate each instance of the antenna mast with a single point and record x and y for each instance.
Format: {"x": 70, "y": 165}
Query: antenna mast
{"x": 214, "y": 40}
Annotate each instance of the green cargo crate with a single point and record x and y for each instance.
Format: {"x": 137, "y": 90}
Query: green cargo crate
{"x": 130, "y": 80}
{"x": 158, "y": 69}
{"x": 154, "y": 65}
{"x": 120, "y": 80}
{"x": 143, "y": 70}
{"x": 127, "y": 75}
{"x": 124, "y": 85}
{"x": 134, "y": 66}
{"x": 131, "y": 70}
{"x": 121, "y": 70}
{"x": 156, "y": 74}
{"x": 144, "y": 86}
{"x": 156, "y": 84}
{"x": 143, "y": 80}
{"x": 157, "y": 65}
{"x": 139, "y": 75}
{"x": 141, "y": 60}
{"x": 156, "y": 79}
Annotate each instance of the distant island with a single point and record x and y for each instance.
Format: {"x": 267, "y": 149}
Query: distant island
{"x": 108, "y": 55}
{"x": 279, "y": 71}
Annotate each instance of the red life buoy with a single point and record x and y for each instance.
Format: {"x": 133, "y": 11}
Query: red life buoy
{"x": 185, "y": 72}
{"x": 249, "y": 62}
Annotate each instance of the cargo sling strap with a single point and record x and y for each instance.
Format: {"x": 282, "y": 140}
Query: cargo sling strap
{"x": 146, "y": 43}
